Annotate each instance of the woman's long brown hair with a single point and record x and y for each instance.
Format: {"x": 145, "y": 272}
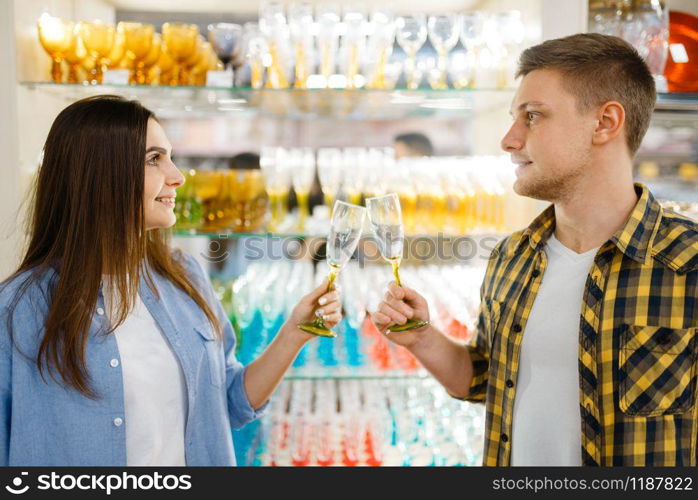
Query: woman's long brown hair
{"x": 87, "y": 220}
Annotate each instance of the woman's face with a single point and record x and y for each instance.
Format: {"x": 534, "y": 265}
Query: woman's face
{"x": 161, "y": 179}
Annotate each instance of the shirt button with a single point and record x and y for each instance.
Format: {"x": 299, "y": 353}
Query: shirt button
{"x": 510, "y": 383}
{"x": 535, "y": 273}
{"x": 517, "y": 328}
{"x": 505, "y": 438}
{"x": 118, "y": 421}
{"x": 114, "y": 363}
{"x": 100, "y": 311}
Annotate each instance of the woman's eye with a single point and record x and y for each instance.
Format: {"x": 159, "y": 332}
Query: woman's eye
{"x": 153, "y": 160}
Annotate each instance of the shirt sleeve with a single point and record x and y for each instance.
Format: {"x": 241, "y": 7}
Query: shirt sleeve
{"x": 5, "y": 390}
{"x": 240, "y": 410}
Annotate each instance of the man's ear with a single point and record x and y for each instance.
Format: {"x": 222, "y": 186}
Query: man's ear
{"x": 610, "y": 120}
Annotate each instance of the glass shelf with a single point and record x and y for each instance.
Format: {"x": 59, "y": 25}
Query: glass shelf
{"x": 349, "y": 373}
{"x": 360, "y": 104}
{"x": 268, "y": 235}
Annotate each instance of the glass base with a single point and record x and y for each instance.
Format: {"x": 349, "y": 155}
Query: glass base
{"x": 412, "y": 324}
{"x": 317, "y": 330}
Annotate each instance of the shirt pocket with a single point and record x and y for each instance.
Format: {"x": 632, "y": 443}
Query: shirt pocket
{"x": 214, "y": 353}
{"x": 657, "y": 369}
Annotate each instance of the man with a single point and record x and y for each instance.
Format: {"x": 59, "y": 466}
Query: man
{"x": 413, "y": 145}
{"x": 585, "y": 352}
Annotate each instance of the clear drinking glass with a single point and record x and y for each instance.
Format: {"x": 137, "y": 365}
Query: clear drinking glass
{"x": 411, "y": 35}
{"x": 443, "y": 34}
{"x": 328, "y": 17}
{"x": 300, "y": 20}
{"x": 225, "y": 39}
{"x": 345, "y": 233}
{"x": 471, "y": 36}
{"x": 386, "y": 220}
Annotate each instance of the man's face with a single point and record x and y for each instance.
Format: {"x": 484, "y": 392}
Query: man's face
{"x": 549, "y": 141}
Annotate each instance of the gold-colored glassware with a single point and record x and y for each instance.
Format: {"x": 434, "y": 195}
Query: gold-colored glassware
{"x": 99, "y": 41}
{"x": 118, "y": 51}
{"x": 152, "y": 58}
{"x": 74, "y": 58}
{"x": 164, "y": 68}
{"x": 182, "y": 43}
{"x": 138, "y": 40}
{"x": 57, "y": 36}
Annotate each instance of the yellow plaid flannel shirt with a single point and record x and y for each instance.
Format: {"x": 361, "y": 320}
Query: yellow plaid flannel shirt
{"x": 637, "y": 339}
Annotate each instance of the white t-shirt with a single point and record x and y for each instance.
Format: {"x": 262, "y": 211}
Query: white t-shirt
{"x": 155, "y": 396}
{"x": 547, "y": 423}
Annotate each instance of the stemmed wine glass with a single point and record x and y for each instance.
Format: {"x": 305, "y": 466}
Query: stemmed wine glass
{"x": 57, "y": 36}
{"x": 386, "y": 220}
{"x": 411, "y": 35}
{"x": 225, "y": 39}
{"x": 443, "y": 34}
{"x": 345, "y": 233}
{"x": 471, "y": 36}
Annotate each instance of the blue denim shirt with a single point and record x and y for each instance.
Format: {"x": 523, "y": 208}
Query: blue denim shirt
{"x": 44, "y": 422}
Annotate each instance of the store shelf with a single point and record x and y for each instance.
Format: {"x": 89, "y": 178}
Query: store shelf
{"x": 361, "y": 104}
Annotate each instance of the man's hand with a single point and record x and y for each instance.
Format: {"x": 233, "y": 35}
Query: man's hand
{"x": 400, "y": 304}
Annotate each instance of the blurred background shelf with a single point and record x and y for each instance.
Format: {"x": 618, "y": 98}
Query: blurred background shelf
{"x": 360, "y": 104}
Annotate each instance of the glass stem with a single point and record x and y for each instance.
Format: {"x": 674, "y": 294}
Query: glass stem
{"x": 396, "y": 271}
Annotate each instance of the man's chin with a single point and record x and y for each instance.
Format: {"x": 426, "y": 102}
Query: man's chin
{"x": 530, "y": 191}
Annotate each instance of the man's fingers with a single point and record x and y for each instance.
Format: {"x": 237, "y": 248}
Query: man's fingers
{"x": 380, "y": 319}
{"x": 401, "y": 307}
{"x": 395, "y": 316}
{"x": 396, "y": 291}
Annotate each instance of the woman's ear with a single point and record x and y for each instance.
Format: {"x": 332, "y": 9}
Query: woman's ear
{"x": 610, "y": 121}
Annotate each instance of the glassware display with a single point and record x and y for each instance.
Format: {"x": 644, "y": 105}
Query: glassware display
{"x": 386, "y": 220}
{"x": 182, "y": 41}
{"x": 365, "y": 423}
{"x": 345, "y": 233}
{"x": 58, "y": 39}
{"x": 256, "y": 52}
{"x": 99, "y": 41}
{"x": 329, "y": 166}
{"x": 273, "y": 25}
{"x": 411, "y": 35}
{"x": 471, "y": 36}
{"x": 138, "y": 40}
{"x": 328, "y": 19}
{"x": 353, "y": 45}
{"x": 226, "y": 39}
{"x": 277, "y": 179}
{"x": 300, "y": 17}
{"x": 380, "y": 47}
{"x": 302, "y": 163}
{"x": 443, "y": 35}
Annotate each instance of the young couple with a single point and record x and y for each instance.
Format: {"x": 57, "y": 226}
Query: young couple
{"x": 115, "y": 351}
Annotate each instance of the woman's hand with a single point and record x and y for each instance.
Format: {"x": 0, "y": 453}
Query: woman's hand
{"x": 317, "y": 304}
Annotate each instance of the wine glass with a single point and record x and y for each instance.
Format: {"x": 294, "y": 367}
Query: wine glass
{"x": 225, "y": 39}
{"x": 328, "y": 21}
{"x": 411, "y": 35}
{"x": 471, "y": 36}
{"x": 58, "y": 38}
{"x": 345, "y": 233}
{"x": 386, "y": 220}
{"x": 443, "y": 34}
{"x": 303, "y": 175}
{"x": 256, "y": 51}
{"x": 138, "y": 40}
{"x": 381, "y": 44}
{"x": 99, "y": 41}
{"x": 74, "y": 58}
{"x": 329, "y": 169}
{"x": 152, "y": 58}
{"x": 300, "y": 19}
{"x": 182, "y": 42}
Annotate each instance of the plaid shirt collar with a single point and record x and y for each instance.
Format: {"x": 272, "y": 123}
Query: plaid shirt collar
{"x": 634, "y": 239}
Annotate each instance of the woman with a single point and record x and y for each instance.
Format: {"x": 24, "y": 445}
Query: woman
{"x": 113, "y": 348}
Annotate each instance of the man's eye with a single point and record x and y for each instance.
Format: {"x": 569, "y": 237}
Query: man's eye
{"x": 531, "y": 117}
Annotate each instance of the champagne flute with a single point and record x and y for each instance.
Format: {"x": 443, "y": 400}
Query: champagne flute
{"x": 329, "y": 169}
{"x": 443, "y": 34}
{"x": 411, "y": 35}
{"x": 386, "y": 221}
{"x": 300, "y": 18}
{"x": 345, "y": 233}
{"x": 328, "y": 20}
{"x": 303, "y": 175}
